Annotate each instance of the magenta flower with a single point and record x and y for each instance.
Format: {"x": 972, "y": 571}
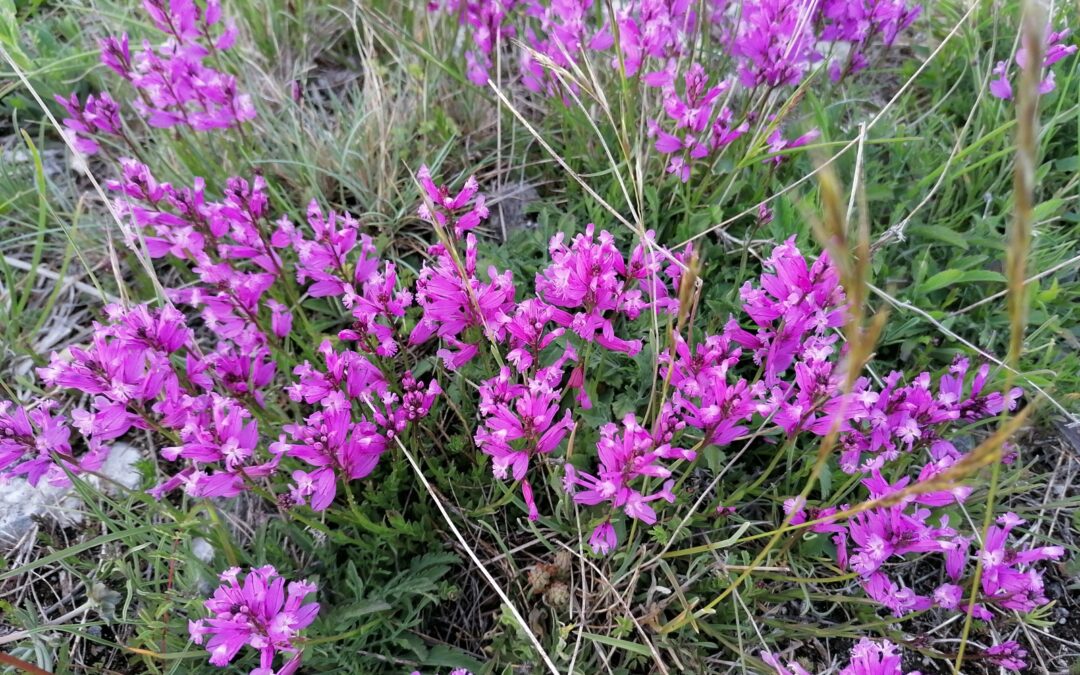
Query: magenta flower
{"x": 489, "y": 23}
{"x": 908, "y": 418}
{"x": 859, "y": 24}
{"x": 330, "y": 440}
{"x": 345, "y": 370}
{"x": 263, "y": 612}
{"x": 455, "y": 301}
{"x": 392, "y": 413}
{"x": 218, "y": 434}
{"x": 693, "y": 371}
{"x": 1053, "y": 51}
{"x": 625, "y": 457}
{"x": 323, "y": 261}
{"x": 589, "y": 276}
{"x": 280, "y": 318}
{"x": 527, "y": 421}
{"x": 777, "y": 143}
{"x": 111, "y": 368}
{"x": 867, "y": 658}
{"x": 1008, "y": 654}
{"x": 520, "y": 422}
{"x": 99, "y": 116}
{"x": 701, "y": 128}
{"x": 603, "y": 539}
{"x": 376, "y": 302}
{"x": 654, "y": 31}
{"x": 336, "y": 446}
{"x": 880, "y": 534}
{"x": 1008, "y": 581}
{"x": 528, "y": 333}
{"x": 811, "y": 403}
{"x": 778, "y": 666}
{"x": 228, "y": 242}
{"x": 116, "y": 55}
{"x": 162, "y": 330}
{"x": 377, "y": 312}
{"x": 561, "y": 30}
{"x": 774, "y": 43}
{"x": 458, "y": 213}
{"x": 1000, "y": 86}
{"x": 175, "y": 85}
{"x": 31, "y": 442}
{"x": 874, "y": 658}
{"x": 243, "y": 373}
{"x": 794, "y": 308}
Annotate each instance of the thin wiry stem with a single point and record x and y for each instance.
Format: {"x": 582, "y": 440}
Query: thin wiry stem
{"x": 522, "y": 623}
{"x": 1027, "y": 118}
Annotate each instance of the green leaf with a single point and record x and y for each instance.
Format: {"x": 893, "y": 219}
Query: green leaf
{"x": 9, "y": 34}
{"x": 826, "y": 481}
{"x": 625, "y": 645}
{"x": 940, "y": 280}
{"x": 1068, "y": 165}
{"x": 72, "y": 551}
{"x": 945, "y": 235}
{"x": 1049, "y": 294}
{"x": 364, "y": 608}
{"x": 440, "y": 655}
{"x": 973, "y": 276}
{"x": 1047, "y": 209}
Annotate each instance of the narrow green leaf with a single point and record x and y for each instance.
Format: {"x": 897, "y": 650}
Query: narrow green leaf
{"x": 973, "y": 276}
{"x": 625, "y": 645}
{"x": 85, "y": 546}
{"x": 945, "y": 235}
{"x": 940, "y": 280}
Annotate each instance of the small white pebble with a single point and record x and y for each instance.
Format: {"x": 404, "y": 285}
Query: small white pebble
{"x": 202, "y": 549}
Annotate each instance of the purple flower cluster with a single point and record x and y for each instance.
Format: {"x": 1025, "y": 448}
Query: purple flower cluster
{"x": 905, "y": 418}
{"x": 586, "y": 287}
{"x": 1053, "y": 51}
{"x": 175, "y": 85}
{"x": 133, "y": 375}
{"x": 867, "y": 658}
{"x": 97, "y": 116}
{"x": 858, "y": 25}
{"x": 263, "y": 612}
{"x": 144, "y": 369}
{"x": 489, "y": 25}
{"x": 558, "y": 32}
{"x": 36, "y": 443}
{"x": 592, "y": 277}
{"x": 653, "y": 34}
{"x": 624, "y": 457}
{"x": 329, "y": 440}
{"x": 520, "y": 422}
{"x": 765, "y": 45}
{"x": 774, "y": 42}
{"x": 457, "y": 304}
{"x": 792, "y": 342}
{"x": 702, "y": 127}
{"x": 232, "y": 248}
{"x": 886, "y": 423}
